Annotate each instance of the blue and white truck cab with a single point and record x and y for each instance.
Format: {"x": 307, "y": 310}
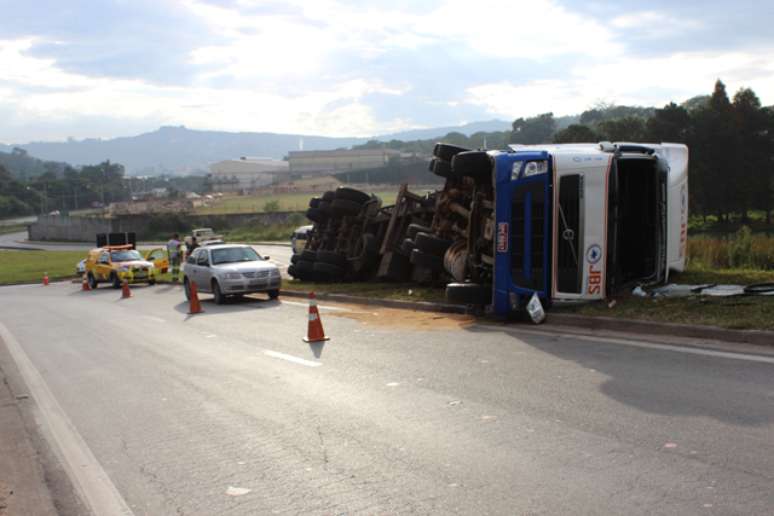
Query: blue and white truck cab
{"x": 577, "y": 222}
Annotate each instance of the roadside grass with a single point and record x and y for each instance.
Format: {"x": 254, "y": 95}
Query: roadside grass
{"x": 279, "y": 202}
{"x": 714, "y": 227}
{"x": 396, "y": 291}
{"x": 738, "y": 312}
{"x": 271, "y": 233}
{"x": 742, "y": 249}
{"x": 29, "y": 266}
{"x": 4, "y": 230}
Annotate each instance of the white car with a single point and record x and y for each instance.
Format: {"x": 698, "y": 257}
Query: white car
{"x": 80, "y": 267}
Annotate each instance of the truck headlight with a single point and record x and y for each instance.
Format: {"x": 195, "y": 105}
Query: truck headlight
{"x": 534, "y": 168}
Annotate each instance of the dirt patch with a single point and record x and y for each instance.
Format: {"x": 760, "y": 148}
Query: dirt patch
{"x": 414, "y": 320}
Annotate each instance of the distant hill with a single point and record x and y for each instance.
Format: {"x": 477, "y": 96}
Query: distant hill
{"x": 436, "y": 132}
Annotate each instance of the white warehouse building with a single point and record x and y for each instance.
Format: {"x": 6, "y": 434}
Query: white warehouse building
{"x": 237, "y": 175}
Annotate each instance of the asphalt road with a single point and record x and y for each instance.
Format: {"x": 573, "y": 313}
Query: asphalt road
{"x": 229, "y": 412}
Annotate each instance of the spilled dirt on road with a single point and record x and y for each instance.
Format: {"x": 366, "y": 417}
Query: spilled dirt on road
{"x": 408, "y": 319}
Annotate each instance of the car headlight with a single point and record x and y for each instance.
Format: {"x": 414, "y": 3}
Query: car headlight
{"x": 233, "y": 275}
{"x": 123, "y": 268}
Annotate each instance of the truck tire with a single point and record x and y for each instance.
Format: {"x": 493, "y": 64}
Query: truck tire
{"x": 325, "y": 208}
{"x": 315, "y": 215}
{"x": 350, "y": 194}
{"x": 307, "y": 256}
{"x": 294, "y": 258}
{"x": 314, "y": 202}
{"x": 331, "y": 258}
{"x": 292, "y": 270}
{"x": 413, "y": 229}
{"x": 446, "y": 152}
{"x": 92, "y": 281}
{"x": 440, "y": 168}
{"x": 329, "y": 271}
{"x": 304, "y": 270}
{"x": 366, "y": 248}
{"x": 475, "y": 164}
{"x": 759, "y": 288}
{"x": 345, "y": 208}
{"x": 329, "y": 196}
{"x": 432, "y": 244}
{"x": 429, "y": 261}
{"x": 394, "y": 267}
{"x": 407, "y": 246}
{"x": 468, "y": 294}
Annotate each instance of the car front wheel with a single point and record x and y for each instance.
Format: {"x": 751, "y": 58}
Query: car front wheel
{"x": 116, "y": 282}
{"x": 218, "y": 295}
{"x": 273, "y": 294}
{"x": 92, "y": 281}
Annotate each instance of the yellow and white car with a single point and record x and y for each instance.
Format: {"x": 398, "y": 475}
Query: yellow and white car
{"x": 159, "y": 258}
{"x": 116, "y": 264}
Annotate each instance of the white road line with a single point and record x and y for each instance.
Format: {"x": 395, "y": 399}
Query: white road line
{"x": 324, "y": 307}
{"x": 154, "y": 319}
{"x": 91, "y": 481}
{"x": 291, "y": 358}
{"x": 646, "y": 345}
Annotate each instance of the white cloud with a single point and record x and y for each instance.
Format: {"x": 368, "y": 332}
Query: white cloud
{"x": 632, "y": 81}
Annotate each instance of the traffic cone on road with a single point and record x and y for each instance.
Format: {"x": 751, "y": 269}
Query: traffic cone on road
{"x": 85, "y": 283}
{"x": 314, "y": 332}
{"x": 194, "y": 307}
{"x": 45, "y": 279}
{"x": 125, "y": 292}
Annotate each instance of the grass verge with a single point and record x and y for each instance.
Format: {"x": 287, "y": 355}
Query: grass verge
{"x": 269, "y": 202}
{"x": 28, "y": 266}
{"x": 4, "y": 230}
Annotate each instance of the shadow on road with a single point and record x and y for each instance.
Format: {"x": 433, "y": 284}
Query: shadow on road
{"x": 664, "y": 382}
{"x": 239, "y": 304}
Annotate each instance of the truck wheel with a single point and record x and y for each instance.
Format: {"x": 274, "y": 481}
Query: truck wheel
{"x": 328, "y": 196}
{"x": 345, "y": 207}
{"x": 92, "y": 281}
{"x": 315, "y": 215}
{"x": 307, "y": 256}
{"x": 294, "y": 258}
{"x": 429, "y": 261}
{"x": 304, "y": 270}
{"x": 468, "y": 294}
{"x": 475, "y": 164}
{"x": 446, "y": 152}
{"x": 350, "y": 194}
{"x": 328, "y": 271}
{"x": 407, "y": 246}
{"x": 366, "y": 248}
{"x": 394, "y": 267}
{"x": 413, "y": 229}
{"x": 314, "y": 202}
{"x": 292, "y": 270}
{"x": 325, "y": 208}
{"x": 432, "y": 244}
{"x": 440, "y": 168}
{"x": 331, "y": 258}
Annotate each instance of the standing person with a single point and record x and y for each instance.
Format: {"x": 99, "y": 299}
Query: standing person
{"x": 190, "y": 247}
{"x": 173, "y": 251}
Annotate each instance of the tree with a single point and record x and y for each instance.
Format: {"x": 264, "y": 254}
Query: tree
{"x": 626, "y": 129}
{"x": 576, "y": 133}
{"x": 754, "y": 160}
{"x": 537, "y": 129}
{"x": 669, "y": 124}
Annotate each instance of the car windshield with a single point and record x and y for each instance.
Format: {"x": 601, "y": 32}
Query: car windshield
{"x": 125, "y": 256}
{"x": 234, "y": 254}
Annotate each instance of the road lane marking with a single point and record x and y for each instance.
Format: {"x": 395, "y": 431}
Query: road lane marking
{"x": 291, "y": 358}
{"x": 154, "y": 319}
{"x": 646, "y": 345}
{"x": 85, "y": 471}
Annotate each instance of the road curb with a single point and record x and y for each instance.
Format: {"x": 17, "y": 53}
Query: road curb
{"x": 757, "y": 337}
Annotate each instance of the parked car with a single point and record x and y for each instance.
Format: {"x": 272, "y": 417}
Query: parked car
{"x": 230, "y": 270}
{"x": 116, "y": 264}
{"x": 80, "y": 268}
{"x": 298, "y": 238}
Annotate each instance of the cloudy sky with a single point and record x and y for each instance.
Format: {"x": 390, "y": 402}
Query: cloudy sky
{"x": 356, "y": 68}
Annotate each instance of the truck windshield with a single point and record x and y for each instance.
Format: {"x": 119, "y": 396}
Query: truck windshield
{"x": 569, "y": 272}
{"x": 234, "y": 254}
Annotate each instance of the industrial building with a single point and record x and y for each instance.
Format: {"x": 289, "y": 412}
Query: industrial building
{"x": 306, "y": 163}
{"x": 245, "y": 174}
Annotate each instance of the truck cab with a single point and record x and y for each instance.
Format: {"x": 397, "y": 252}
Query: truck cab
{"x": 577, "y": 222}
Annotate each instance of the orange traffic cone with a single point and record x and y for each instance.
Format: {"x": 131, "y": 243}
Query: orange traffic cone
{"x": 85, "y": 283}
{"x": 125, "y": 292}
{"x": 314, "y": 332}
{"x": 194, "y": 307}
{"x": 45, "y": 279}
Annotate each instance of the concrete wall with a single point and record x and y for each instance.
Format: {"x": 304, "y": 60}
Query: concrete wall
{"x": 149, "y": 226}
{"x": 72, "y": 229}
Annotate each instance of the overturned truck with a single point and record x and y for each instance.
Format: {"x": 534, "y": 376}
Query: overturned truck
{"x": 569, "y": 222}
